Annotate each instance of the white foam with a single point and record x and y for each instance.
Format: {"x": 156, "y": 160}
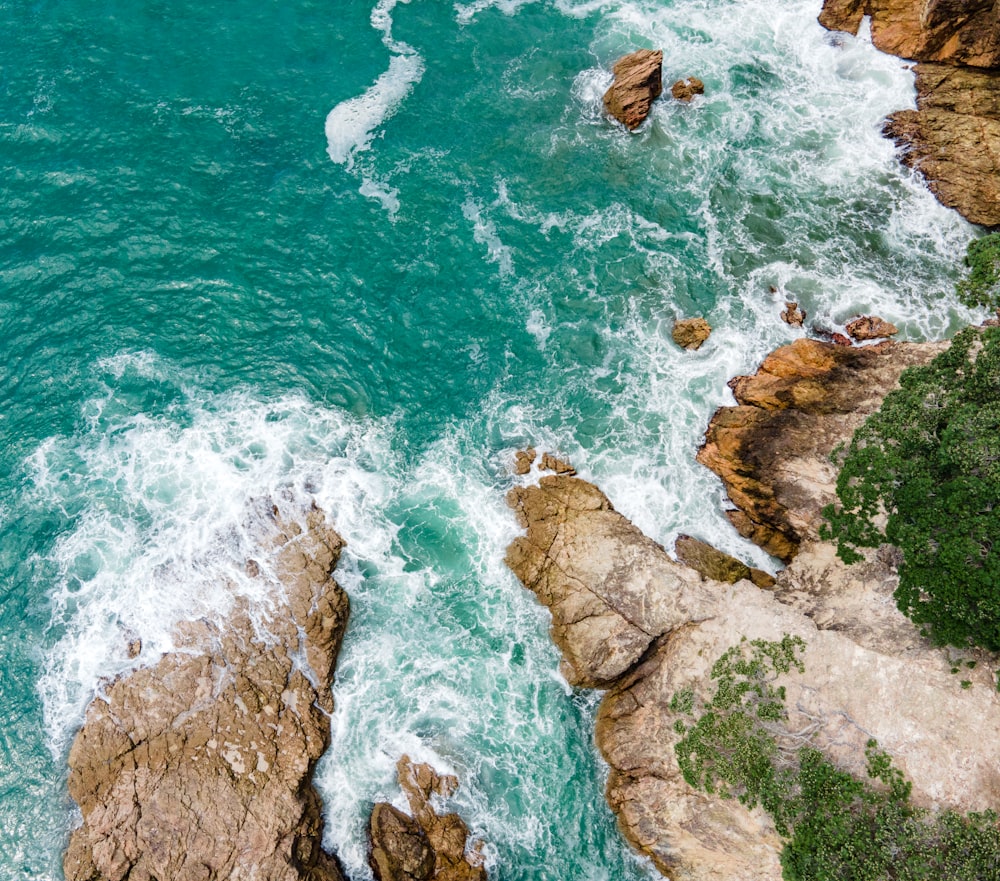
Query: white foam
{"x": 484, "y": 231}
{"x": 386, "y": 196}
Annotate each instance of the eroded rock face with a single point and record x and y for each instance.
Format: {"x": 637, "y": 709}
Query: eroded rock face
{"x": 427, "y": 845}
{"x": 638, "y": 82}
{"x": 199, "y": 767}
{"x": 773, "y": 449}
{"x": 717, "y": 565}
{"x": 867, "y": 674}
{"x": 870, "y": 327}
{"x": 953, "y": 138}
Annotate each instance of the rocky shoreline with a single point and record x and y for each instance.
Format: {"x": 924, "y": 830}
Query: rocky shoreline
{"x": 639, "y": 626}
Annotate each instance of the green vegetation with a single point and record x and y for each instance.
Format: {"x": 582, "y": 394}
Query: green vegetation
{"x": 837, "y": 827}
{"x": 981, "y": 285}
{"x": 929, "y": 460}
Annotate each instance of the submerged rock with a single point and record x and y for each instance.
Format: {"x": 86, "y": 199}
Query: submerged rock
{"x": 687, "y": 88}
{"x": 200, "y": 766}
{"x": 638, "y": 82}
{"x": 427, "y": 845}
{"x": 690, "y": 333}
{"x": 773, "y": 449}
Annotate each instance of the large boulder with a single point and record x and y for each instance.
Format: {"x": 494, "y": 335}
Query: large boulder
{"x": 773, "y": 449}
{"x": 638, "y": 82}
{"x": 199, "y": 767}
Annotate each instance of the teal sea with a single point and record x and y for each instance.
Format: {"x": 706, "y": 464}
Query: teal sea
{"x": 361, "y": 252}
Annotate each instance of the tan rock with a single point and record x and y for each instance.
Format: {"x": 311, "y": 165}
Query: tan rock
{"x": 558, "y": 466}
{"x": 793, "y": 315}
{"x": 638, "y": 82}
{"x": 690, "y": 333}
{"x": 427, "y": 845}
{"x": 523, "y": 460}
{"x": 687, "y": 88}
{"x": 200, "y": 766}
{"x": 870, "y": 327}
{"x": 772, "y": 450}
{"x": 717, "y": 565}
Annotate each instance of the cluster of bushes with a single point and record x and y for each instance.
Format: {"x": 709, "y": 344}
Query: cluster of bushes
{"x": 837, "y": 827}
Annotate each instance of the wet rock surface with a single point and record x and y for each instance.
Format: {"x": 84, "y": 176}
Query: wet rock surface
{"x": 687, "y": 88}
{"x": 199, "y": 767}
{"x": 691, "y": 333}
{"x": 638, "y": 82}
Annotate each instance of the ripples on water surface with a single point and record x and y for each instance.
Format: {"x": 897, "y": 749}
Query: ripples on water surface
{"x": 362, "y": 254}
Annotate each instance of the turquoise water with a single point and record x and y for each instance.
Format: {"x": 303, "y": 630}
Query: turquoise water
{"x": 362, "y": 254}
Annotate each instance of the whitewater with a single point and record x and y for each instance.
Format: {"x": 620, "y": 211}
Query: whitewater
{"x": 360, "y": 255}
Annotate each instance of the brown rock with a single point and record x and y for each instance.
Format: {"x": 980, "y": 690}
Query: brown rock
{"x": 953, "y": 138}
{"x": 870, "y": 327}
{"x": 793, "y": 315}
{"x": 716, "y": 565}
{"x": 687, "y": 88}
{"x": 551, "y": 463}
{"x": 772, "y": 451}
{"x": 838, "y": 339}
{"x": 638, "y": 82}
{"x": 199, "y": 767}
{"x": 428, "y": 845}
{"x": 523, "y": 460}
{"x": 690, "y": 333}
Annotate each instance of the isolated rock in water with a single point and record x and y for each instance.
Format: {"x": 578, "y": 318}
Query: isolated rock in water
{"x": 717, "y": 565}
{"x": 772, "y": 451}
{"x": 690, "y": 333}
{"x": 523, "y": 460}
{"x": 200, "y": 767}
{"x": 638, "y": 82}
{"x": 870, "y": 327}
{"x": 427, "y": 845}
{"x": 551, "y": 463}
{"x": 687, "y": 88}
{"x": 953, "y": 138}
{"x": 867, "y": 673}
{"x": 793, "y": 315}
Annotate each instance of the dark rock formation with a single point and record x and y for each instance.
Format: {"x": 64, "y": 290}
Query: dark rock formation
{"x": 690, "y": 333}
{"x": 638, "y": 82}
{"x": 199, "y": 767}
{"x": 772, "y": 451}
{"x": 870, "y": 327}
{"x": 953, "y": 138}
{"x": 427, "y": 845}
{"x": 716, "y": 565}
{"x": 687, "y": 88}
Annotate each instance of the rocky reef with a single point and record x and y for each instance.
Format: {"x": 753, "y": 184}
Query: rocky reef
{"x": 633, "y": 622}
{"x": 953, "y": 137}
{"x": 638, "y": 82}
{"x": 199, "y": 767}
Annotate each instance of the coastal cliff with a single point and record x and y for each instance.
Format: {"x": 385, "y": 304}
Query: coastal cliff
{"x": 199, "y": 767}
{"x": 633, "y": 622}
{"x": 953, "y": 137}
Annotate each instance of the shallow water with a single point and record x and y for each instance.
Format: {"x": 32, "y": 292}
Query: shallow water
{"x": 362, "y": 254}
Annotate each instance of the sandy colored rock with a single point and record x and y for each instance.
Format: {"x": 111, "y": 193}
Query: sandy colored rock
{"x": 717, "y": 565}
{"x": 687, "y": 88}
{"x": 690, "y": 333}
{"x": 523, "y": 460}
{"x": 867, "y": 674}
{"x": 638, "y": 82}
{"x": 793, "y": 315}
{"x": 557, "y": 466}
{"x": 953, "y": 138}
{"x": 773, "y": 449}
{"x": 199, "y": 767}
{"x": 870, "y": 327}
{"x": 427, "y": 845}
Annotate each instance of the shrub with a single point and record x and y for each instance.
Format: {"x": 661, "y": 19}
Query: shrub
{"x": 929, "y": 460}
{"x": 981, "y": 285}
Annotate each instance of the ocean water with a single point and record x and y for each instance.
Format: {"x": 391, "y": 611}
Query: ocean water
{"x": 360, "y": 253}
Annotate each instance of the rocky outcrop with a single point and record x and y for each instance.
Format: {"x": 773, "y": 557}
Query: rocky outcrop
{"x": 773, "y": 449}
{"x": 638, "y": 82}
{"x": 426, "y": 845}
{"x": 953, "y": 138}
{"x": 690, "y": 333}
{"x": 620, "y": 604}
{"x": 685, "y": 89}
{"x": 792, "y": 314}
{"x": 870, "y": 327}
{"x": 199, "y": 767}
{"x": 716, "y": 565}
